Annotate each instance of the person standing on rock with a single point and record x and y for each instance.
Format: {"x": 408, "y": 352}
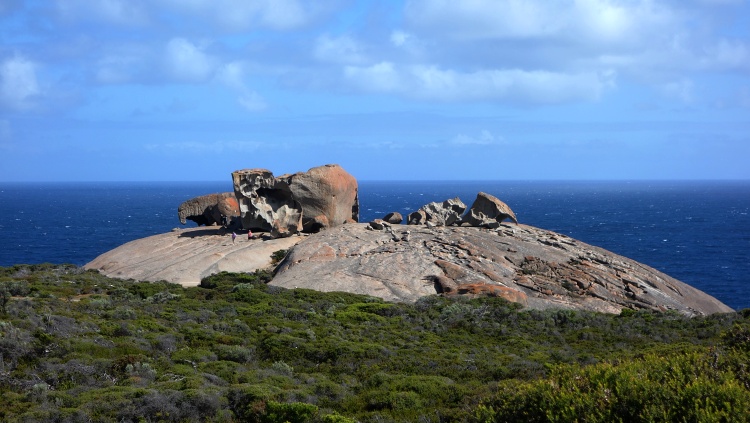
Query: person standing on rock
{"x": 234, "y": 236}
{"x": 249, "y": 234}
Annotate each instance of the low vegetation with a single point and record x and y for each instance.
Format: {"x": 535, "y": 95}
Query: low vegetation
{"x": 77, "y": 346}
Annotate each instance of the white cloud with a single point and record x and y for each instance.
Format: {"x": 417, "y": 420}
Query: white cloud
{"x": 187, "y": 62}
{"x": 283, "y": 14}
{"x": 18, "y": 83}
{"x": 587, "y": 21}
{"x": 473, "y": 19}
{"x": 400, "y": 38}
{"x": 233, "y": 76}
{"x": 727, "y": 54}
{"x": 343, "y": 49}
{"x": 380, "y": 77}
{"x": 682, "y": 90}
{"x": 252, "y": 102}
{"x": 485, "y": 138}
{"x": 642, "y": 41}
{"x": 514, "y": 85}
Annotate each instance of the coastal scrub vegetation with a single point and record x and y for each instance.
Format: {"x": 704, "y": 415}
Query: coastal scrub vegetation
{"x": 77, "y": 346}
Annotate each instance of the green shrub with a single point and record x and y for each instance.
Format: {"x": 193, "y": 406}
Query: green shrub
{"x": 684, "y": 387}
{"x": 277, "y": 256}
{"x": 336, "y": 418}
{"x": 236, "y": 353}
{"x": 293, "y": 412}
{"x": 226, "y": 353}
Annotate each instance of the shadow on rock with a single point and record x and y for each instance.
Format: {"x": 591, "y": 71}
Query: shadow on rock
{"x": 204, "y": 232}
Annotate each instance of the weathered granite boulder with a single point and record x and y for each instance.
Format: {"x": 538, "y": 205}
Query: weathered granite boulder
{"x": 394, "y": 218}
{"x": 212, "y": 209}
{"x": 378, "y": 224}
{"x": 418, "y": 217}
{"x": 439, "y": 214}
{"x": 266, "y": 203}
{"x": 328, "y": 191}
{"x": 323, "y": 197}
{"x": 487, "y": 212}
{"x": 534, "y": 267}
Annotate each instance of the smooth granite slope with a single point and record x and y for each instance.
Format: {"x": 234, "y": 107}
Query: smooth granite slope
{"x": 188, "y": 255}
{"x": 537, "y": 268}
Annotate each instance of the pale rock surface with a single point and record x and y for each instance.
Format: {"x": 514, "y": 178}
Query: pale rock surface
{"x": 537, "y": 268}
{"x": 439, "y": 214}
{"x": 187, "y": 256}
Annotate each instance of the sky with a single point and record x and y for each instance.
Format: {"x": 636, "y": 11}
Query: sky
{"x": 192, "y": 90}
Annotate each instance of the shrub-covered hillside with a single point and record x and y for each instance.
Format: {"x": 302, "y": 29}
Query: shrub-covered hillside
{"x": 76, "y": 346}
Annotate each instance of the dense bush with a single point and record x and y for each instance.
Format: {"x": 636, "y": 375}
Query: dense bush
{"x": 76, "y": 346}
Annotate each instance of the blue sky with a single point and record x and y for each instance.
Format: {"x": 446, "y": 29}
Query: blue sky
{"x": 139, "y": 90}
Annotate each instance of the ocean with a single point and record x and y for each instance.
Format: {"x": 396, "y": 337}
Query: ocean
{"x": 695, "y": 231}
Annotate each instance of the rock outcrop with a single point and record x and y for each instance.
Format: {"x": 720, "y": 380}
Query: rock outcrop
{"x": 394, "y": 218}
{"x": 446, "y": 253}
{"x": 438, "y": 214}
{"x": 266, "y": 203}
{"x": 209, "y": 210}
{"x": 188, "y": 255}
{"x": 325, "y": 196}
{"x": 537, "y": 268}
{"x": 487, "y": 212}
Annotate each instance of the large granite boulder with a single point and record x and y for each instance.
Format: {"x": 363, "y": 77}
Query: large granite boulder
{"x": 537, "y": 268}
{"x": 438, "y": 214}
{"x": 488, "y": 211}
{"x": 266, "y": 203}
{"x": 394, "y": 218}
{"x": 324, "y": 196}
{"x": 328, "y": 193}
{"x": 212, "y": 209}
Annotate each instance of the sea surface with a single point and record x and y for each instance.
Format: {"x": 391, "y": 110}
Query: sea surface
{"x": 697, "y": 232}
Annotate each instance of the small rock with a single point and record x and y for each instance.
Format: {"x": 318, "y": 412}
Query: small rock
{"x": 377, "y": 224}
{"x": 394, "y": 218}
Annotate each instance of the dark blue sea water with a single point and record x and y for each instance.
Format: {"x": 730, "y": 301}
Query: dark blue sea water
{"x": 698, "y": 232}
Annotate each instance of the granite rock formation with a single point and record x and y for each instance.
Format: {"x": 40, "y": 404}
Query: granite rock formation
{"x": 438, "y": 214}
{"x": 537, "y": 268}
{"x": 487, "y": 212}
{"x": 325, "y": 196}
{"x": 212, "y": 209}
{"x": 266, "y": 203}
{"x": 394, "y": 218}
{"x": 186, "y": 256}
